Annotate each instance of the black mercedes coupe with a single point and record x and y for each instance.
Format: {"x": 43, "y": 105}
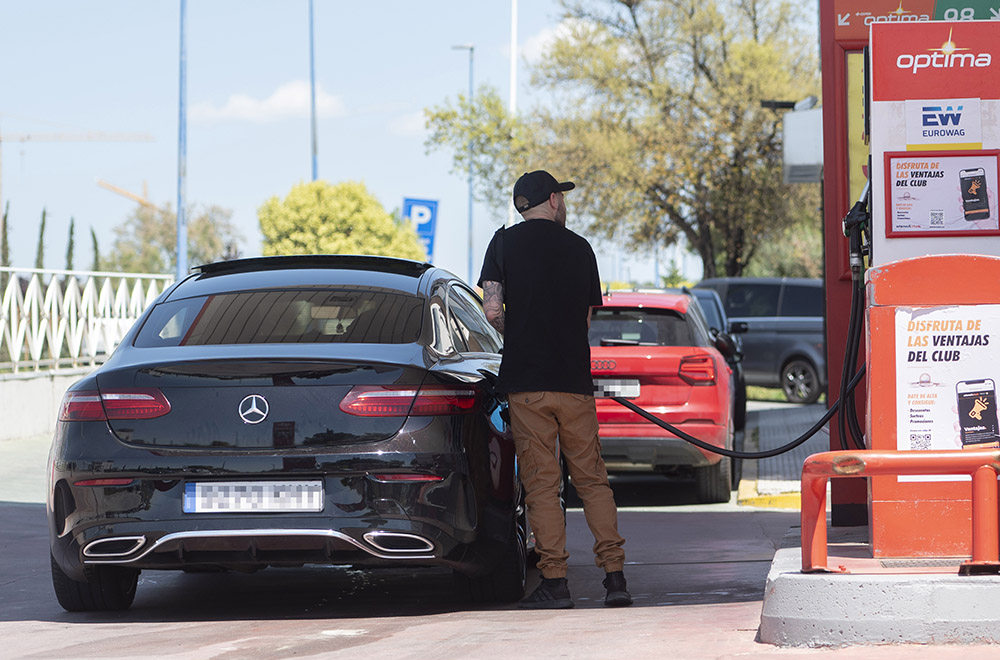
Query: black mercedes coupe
{"x": 282, "y": 411}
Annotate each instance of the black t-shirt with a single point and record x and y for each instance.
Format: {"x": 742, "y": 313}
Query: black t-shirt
{"x": 550, "y": 282}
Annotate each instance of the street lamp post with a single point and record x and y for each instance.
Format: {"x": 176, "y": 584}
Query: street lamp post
{"x": 471, "y": 49}
{"x": 312, "y": 89}
{"x": 182, "y": 252}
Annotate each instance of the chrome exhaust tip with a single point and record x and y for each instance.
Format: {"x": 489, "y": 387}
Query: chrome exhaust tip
{"x": 114, "y": 546}
{"x": 398, "y": 542}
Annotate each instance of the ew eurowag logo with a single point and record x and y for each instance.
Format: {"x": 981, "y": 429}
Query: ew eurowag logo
{"x": 936, "y": 120}
{"x": 948, "y": 56}
{"x": 935, "y": 115}
{"x": 944, "y": 121}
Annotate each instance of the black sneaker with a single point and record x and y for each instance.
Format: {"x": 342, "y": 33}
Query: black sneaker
{"x": 618, "y": 595}
{"x": 551, "y": 594}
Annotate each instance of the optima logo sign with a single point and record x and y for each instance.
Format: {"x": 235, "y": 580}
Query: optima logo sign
{"x": 948, "y": 56}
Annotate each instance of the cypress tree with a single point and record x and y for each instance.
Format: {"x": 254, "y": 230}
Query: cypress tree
{"x": 70, "y": 244}
{"x": 40, "y": 255}
{"x": 4, "y": 248}
{"x": 97, "y": 252}
{"x": 4, "y": 244}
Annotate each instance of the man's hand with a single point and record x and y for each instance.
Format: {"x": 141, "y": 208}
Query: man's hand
{"x": 493, "y": 304}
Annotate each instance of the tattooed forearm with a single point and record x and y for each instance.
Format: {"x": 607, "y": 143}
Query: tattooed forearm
{"x": 493, "y": 304}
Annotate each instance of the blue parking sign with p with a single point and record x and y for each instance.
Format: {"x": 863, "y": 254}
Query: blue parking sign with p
{"x": 423, "y": 214}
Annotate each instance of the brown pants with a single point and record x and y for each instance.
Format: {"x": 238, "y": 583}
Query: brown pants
{"x": 545, "y": 424}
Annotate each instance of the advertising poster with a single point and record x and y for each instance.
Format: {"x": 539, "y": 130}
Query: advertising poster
{"x": 947, "y": 368}
{"x": 932, "y": 193}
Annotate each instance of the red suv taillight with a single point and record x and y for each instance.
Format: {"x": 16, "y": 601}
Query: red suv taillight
{"x": 697, "y": 370}
{"x": 399, "y": 401}
{"x": 90, "y": 405}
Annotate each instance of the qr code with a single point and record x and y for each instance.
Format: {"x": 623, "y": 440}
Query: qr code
{"x": 920, "y": 441}
{"x": 937, "y": 218}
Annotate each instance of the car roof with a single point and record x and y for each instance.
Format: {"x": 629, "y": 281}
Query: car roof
{"x": 676, "y": 301}
{"x": 303, "y": 270}
{"x": 762, "y": 280}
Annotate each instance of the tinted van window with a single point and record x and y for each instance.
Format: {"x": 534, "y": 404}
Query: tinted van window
{"x": 801, "y": 300}
{"x": 745, "y": 299}
{"x": 353, "y": 315}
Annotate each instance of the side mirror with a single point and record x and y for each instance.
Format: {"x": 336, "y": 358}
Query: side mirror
{"x": 738, "y": 327}
{"x": 724, "y": 342}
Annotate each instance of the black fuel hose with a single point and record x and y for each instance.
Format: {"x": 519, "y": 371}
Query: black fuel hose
{"x": 848, "y": 418}
{"x": 732, "y": 453}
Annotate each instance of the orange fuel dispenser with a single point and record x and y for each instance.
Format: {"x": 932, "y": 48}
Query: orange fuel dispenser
{"x": 933, "y": 286}
{"x": 933, "y": 324}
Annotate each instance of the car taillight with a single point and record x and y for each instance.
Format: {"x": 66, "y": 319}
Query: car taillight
{"x": 88, "y": 406}
{"x": 399, "y": 401}
{"x": 697, "y": 370}
{"x": 81, "y": 407}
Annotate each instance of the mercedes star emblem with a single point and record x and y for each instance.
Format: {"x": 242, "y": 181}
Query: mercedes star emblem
{"x": 253, "y": 409}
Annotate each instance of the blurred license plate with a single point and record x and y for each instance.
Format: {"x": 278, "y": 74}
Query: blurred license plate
{"x": 605, "y": 388}
{"x": 252, "y": 496}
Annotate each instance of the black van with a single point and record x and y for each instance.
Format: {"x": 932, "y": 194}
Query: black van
{"x": 784, "y": 343}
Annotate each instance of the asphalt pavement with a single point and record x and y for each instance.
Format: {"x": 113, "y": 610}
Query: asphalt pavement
{"x": 697, "y": 573}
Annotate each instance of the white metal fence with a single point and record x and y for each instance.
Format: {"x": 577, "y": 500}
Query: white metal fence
{"x": 60, "y": 318}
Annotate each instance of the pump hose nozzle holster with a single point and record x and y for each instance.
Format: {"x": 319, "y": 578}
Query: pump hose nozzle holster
{"x": 854, "y": 225}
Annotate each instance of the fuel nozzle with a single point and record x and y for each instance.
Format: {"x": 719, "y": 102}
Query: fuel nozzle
{"x": 855, "y": 226}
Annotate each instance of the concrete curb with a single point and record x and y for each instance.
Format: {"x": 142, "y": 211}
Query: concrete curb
{"x": 828, "y": 609}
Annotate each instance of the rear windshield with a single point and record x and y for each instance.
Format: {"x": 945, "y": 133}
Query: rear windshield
{"x": 349, "y": 315}
{"x": 645, "y": 327}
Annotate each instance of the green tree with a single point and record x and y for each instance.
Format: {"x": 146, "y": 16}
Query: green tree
{"x": 70, "y": 244}
{"x": 795, "y": 250}
{"x": 96, "y": 265}
{"x": 145, "y": 242}
{"x": 321, "y": 218}
{"x": 40, "y": 254}
{"x": 497, "y": 146}
{"x": 653, "y": 107}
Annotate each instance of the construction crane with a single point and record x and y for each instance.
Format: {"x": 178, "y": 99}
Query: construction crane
{"x": 142, "y": 200}
{"x": 91, "y": 136}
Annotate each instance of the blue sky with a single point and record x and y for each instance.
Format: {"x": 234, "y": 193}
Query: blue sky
{"x": 111, "y": 66}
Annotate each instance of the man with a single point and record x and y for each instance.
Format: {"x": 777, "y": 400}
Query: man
{"x": 539, "y": 283}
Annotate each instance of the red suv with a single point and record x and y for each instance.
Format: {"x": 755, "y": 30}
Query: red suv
{"x": 655, "y": 349}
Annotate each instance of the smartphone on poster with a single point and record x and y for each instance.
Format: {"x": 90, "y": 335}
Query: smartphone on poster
{"x": 977, "y": 413}
{"x": 975, "y": 203}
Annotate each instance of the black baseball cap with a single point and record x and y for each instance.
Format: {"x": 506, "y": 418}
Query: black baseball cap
{"x": 533, "y": 188}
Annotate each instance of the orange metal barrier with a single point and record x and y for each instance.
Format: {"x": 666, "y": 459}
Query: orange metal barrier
{"x": 983, "y": 465}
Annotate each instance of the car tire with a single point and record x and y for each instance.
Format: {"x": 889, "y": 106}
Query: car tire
{"x": 107, "y": 588}
{"x": 505, "y": 584}
{"x": 800, "y": 381}
{"x": 713, "y": 483}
